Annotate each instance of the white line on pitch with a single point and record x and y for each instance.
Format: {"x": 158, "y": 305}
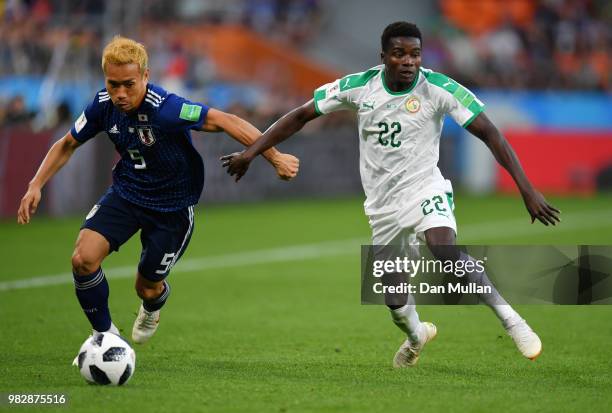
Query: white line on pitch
{"x": 467, "y": 233}
{"x": 292, "y": 253}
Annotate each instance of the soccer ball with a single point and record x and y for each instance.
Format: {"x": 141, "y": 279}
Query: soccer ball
{"x": 106, "y": 358}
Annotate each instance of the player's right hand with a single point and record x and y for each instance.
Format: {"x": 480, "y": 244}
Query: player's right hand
{"x": 236, "y": 163}
{"x": 28, "y": 205}
{"x": 286, "y": 166}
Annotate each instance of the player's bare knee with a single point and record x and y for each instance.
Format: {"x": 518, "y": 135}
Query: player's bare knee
{"x": 83, "y": 263}
{"x": 441, "y": 243}
{"x": 90, "y": 250}
{"x": 149, "y": 292}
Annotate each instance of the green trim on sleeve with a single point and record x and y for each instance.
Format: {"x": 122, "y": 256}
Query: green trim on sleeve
{"x": 478, "y": 109}
{"x": 319, "y": 94}
{"x": 476, "y": 106}
{"x": 440, "y": 80}
{"x": 357, "y": 79}
{"x": 463, "y": 95}
{"x": 317, "y": 108}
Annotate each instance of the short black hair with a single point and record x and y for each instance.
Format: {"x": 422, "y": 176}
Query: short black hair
{"x": 399, "y": 29}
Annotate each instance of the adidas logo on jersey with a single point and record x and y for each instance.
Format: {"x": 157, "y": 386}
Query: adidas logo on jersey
{"x": 114, "y": 129}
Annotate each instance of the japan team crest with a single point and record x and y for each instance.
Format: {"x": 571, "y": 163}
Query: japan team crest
{"x": 413, "y": 105}
{"x": 145, "y": 133}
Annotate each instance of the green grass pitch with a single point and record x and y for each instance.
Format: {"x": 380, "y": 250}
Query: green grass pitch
{"x": 265, "y": 317}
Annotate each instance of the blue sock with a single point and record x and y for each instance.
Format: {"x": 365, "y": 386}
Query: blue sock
{"x": 159, "y": 302}
{"x": 92, "y": 292}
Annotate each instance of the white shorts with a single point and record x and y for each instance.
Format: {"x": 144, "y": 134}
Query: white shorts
{"x": 432, "y": 207}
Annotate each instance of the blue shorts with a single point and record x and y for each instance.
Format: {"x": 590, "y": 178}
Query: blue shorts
{"x": 164, "y": 235}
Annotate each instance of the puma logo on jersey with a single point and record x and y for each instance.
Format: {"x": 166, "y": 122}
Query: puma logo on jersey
{"x": 368, "y": 105}
{"x": 114, "y": 129}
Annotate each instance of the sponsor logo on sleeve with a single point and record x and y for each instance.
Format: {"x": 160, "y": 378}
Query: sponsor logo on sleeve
{"x": 92, "y": 212}
{"x": 80, "y": 123}
{"x": 190, "y": 112}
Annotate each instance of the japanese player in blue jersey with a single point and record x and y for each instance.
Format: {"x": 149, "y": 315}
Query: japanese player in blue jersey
{"x": 156, "y": 183}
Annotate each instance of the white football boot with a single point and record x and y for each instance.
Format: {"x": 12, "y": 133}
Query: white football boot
{"x": 145, "y": 325}
{"x": 408, "y": 353}
{"x": 527, "y": 342}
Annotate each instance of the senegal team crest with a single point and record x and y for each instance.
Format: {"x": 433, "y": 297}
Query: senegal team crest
{"x": 413, "y": 105}
{"x": 145, "y": 133}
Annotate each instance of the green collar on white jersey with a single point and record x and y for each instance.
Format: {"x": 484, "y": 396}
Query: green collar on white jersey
{"x": 401, "y": 92}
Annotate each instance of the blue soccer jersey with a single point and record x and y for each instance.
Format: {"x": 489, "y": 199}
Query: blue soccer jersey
{"x": 159, "y": 168}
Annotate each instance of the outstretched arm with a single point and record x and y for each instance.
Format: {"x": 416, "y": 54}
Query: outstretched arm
{"x": 535, "y": 202}
{"x": 238, "y": 163}
{"x": 57, "y": 156}
{"x": 217, "y": 121}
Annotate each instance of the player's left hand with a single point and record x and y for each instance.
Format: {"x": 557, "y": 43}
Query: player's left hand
{"x": 540, "y": 209}
{"x": 286, "y": 166}
{"x": 28, "y": 205}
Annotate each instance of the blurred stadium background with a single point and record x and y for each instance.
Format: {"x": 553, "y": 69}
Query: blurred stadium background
{"x": 542, "y": 67}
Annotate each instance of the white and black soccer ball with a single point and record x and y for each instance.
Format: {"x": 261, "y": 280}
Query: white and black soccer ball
{"x": 106, "y": 358}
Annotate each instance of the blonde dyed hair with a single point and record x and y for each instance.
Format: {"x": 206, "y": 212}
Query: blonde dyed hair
{"x": 122, "y": 51}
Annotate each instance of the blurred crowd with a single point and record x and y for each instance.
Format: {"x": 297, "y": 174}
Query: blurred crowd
{"x": 544, "y": 44}
{"x": 33, "y": 31}
{"x": 14, "y": 112}
{"x": 38, "y": 35}
{"x": 525, "y": 44}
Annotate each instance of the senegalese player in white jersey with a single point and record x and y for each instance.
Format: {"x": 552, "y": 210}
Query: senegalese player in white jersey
{"x": 400, "y": 108}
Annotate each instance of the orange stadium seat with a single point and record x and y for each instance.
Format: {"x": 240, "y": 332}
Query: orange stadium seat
{"x": 479, "y": 16}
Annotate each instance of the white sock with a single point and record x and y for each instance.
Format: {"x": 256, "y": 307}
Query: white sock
{"x": 504, "y": 311}
{"x": 407, "y": 319}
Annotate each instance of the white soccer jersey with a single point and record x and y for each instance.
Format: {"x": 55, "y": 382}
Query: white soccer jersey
{"x": 399, "y": 132}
